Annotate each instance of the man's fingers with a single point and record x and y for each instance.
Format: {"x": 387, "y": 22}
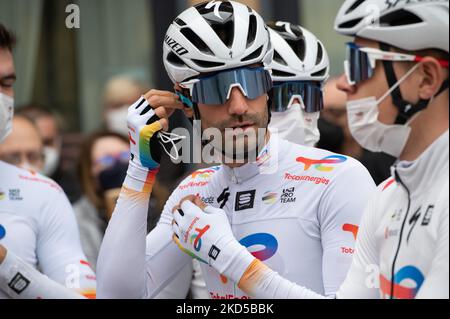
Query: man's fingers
{"x": 199, "y": 203}
{"x": 165, "y": 124}
{"x": 154, "y": 92}
{"x": 188, "y": 112}
{"x": 171, "y": 102}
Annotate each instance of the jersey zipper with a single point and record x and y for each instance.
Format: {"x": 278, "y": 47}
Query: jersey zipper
{"x": 399, "y": 180}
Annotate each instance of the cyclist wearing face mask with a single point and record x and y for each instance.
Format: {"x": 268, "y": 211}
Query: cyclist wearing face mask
{"x": 299, "y": 68}
{"x": 37, "y": 224}
{"x": 289, "y": 207}
{"x": 402, "y": 246}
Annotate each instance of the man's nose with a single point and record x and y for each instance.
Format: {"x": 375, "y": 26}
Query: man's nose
{"x": 237, "y": 104}
{"x": 343, "y": 85}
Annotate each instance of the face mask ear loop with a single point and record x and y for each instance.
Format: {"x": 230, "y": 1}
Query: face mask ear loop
{"x": 396, "y": 85}
{"x": 170, "y": 138}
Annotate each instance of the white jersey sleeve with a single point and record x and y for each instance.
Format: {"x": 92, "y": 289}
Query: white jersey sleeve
{"x": 21, "y": 281}
{"x": 340, "y": 212}
{"x": 362, "y": 281}
{"x": 132, "y": 264}
{"x": 436, "y": 284}
{"x": 59, "y": 250}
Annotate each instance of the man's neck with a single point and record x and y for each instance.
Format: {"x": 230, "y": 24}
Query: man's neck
{"x": 237, "y": 165}
{"x": 426, "y": 128}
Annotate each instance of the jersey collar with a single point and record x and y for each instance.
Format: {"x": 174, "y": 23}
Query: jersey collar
{"x": 431, "y": 166}
{"x": 266, "y": 163}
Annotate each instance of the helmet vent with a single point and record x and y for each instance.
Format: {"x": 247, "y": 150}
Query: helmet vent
{"x": 355, "y": 5}
{"x": 320, "y": 73}
{"x": 174, "y": 59}
{"x": 253, "y": 55}
{"x": 400, "y": 18}
{"x": 277, "y": 58}
{"x": 252, "y": 27}
{"x": 299, "y": 47}
{"x": 220, "y": 19}
{"x": 319, "y": 53}
{"x": 350, "y": 24}
{"x": 207, "y": 64}
{"x": 281, "y": 73}
{"x": 180, "y": 22}
{"x": 196, "y": 41}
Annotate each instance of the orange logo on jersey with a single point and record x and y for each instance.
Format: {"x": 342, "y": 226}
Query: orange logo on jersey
{"x": 318, "y": 164}
{"x": 351, "y": 228}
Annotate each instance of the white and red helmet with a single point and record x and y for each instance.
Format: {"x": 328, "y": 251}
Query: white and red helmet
{"x": 411, "y": 25}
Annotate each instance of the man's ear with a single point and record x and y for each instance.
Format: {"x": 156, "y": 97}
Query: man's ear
{"x": 433, "y": 75}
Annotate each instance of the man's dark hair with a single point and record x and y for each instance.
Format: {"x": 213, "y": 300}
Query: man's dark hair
{"x": 7, "y": 38}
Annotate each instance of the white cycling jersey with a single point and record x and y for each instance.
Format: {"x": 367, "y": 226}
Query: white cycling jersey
{"x": 403, "y": 246}
{"x": 38, "y": 228}
{"x": 297, "y": 209}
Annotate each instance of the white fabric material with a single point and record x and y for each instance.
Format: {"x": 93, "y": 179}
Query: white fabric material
{"x": 21, "y": 281}
{"x": 372, "y": 134}
{"x": 51, "y": 160}
{"x": 422, "y": 266}
{"x": 293, "y": 216}
{"x": 6, "y": 115}
{"x": 39, "y": 227}
{"x": 296, "y": 126}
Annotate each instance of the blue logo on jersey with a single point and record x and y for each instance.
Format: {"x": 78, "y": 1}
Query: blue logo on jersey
{"x": 2, "y": 232}
{"x": 267, "y": 240}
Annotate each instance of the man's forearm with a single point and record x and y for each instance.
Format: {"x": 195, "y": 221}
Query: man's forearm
{"x": 21, "y": 281}
{"x": 261, "y": 282}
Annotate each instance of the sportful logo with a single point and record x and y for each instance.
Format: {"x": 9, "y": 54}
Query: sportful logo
{"x": 408, "y": 274}
{"x": 196, "y": 239}
{"x": 245, "y": 200}
{"x": 268, "y": 241}
{"x": 319, "y": 164}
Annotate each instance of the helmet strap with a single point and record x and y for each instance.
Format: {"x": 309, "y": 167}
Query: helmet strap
{"x": 406, "y": 110}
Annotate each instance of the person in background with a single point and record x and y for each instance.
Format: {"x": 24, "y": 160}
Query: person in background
{"x": 335, "y": 135}
{"x": 102, "y": 168}
{"x": 23, "y": 147}
{"x": 40, "y": 250}
{"x": 299, "y": 69}
{"x": 119, "y": 93}
{"x": 50, "y": 127}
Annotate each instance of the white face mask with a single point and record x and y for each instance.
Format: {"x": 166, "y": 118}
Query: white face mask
{"x": 6, "y": 115}
{"x": 296, "y": 126}
{"x": 51, "y": 161}
{"x": 372, "y": 134}
{"x": 116, "y": 120}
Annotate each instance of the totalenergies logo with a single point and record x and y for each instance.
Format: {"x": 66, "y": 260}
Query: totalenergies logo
{"x": 205, "y": 173}
{"x": 407, "y": 282}
{"x": 322, "y": 165}
{"x": 268, "y": 241}
{"x": 196, "y": 239}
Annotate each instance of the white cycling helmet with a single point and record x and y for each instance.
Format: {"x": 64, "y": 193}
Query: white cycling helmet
{"x": 298, "y": 54}
{"x": 215, "y": 36}
{"x": 411, "y": 25}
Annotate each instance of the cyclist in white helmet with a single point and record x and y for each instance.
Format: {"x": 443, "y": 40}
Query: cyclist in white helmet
{"x": 38, "y": 229}
{"x": 288, "y": 207}
{"x": 397, "y": 86}
{"x": 300, "y": 66}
